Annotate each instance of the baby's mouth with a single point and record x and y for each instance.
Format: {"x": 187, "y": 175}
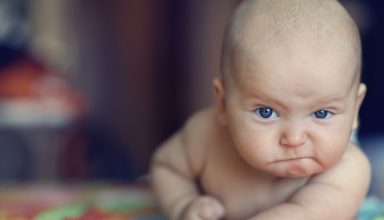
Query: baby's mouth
{"x": 295, "y": 167}
{"x": 291, "y": 159}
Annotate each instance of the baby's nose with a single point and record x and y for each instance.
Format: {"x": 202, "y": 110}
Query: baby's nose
{"x": 293, "y": 135}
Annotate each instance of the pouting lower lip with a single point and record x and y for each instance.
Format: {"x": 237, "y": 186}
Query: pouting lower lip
{"x": 292, "y": 159}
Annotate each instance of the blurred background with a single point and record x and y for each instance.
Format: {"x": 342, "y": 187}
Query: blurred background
{"x": 89, "y": 89}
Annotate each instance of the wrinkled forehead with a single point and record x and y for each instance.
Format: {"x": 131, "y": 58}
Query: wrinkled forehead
{"x": 295, "y": 64}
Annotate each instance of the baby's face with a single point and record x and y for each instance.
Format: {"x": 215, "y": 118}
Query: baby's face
{"x": 291, "y": 109}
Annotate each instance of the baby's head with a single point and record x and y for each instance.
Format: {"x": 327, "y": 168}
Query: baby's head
{"x": 290, "y": 87}
{"x": 257, "y": 26}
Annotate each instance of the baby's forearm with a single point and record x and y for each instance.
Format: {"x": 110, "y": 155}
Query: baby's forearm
{"x": 287, "y": 211}
{"x": 173, "y": 191}
{"x": 292, "y": 211}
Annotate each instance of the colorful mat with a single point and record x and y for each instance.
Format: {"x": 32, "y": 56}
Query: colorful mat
{"x": 102, "y": 201}
{"x": 76, "y": 202}
{"x": 372, "y": 209}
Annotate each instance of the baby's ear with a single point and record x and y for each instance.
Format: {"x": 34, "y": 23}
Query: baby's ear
{"x": 218, "y": 89}
{"x": 360, "y": 98}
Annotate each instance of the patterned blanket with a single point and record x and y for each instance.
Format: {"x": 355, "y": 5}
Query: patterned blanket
{"x": 102, "y": 201}
{"x": 76, "y": 202}
{"x": 372, "y": 209}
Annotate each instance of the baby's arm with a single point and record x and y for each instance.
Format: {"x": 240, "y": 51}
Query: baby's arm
{"x": 336, "y": 194}
{"x": 173, "y": 178}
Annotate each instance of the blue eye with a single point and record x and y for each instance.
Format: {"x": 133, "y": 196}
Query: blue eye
{"x": 322, "y": 114}
{"x": 266, "y": 113}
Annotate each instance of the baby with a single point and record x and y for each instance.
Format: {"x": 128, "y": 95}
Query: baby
{"x": 276, "y": 143}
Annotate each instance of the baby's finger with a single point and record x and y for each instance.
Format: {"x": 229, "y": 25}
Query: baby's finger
{"x": 211, "y": 209}
{"x": 214, "y": 212}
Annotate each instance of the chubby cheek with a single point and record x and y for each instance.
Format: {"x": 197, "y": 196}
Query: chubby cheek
{"x": 332, "y": 149}
{"x": 332, "y": 152}
{"x": 255, "y": 146}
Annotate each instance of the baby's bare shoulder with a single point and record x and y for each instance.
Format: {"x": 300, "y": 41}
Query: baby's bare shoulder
{"x": 199, "y": 126}
{"x": 185, "y": 149}
{"x": 340, "y": 190}
{"x": 348, "y": 180}
{"x": 199, "y": 134}
{"x": 353, "y": 165}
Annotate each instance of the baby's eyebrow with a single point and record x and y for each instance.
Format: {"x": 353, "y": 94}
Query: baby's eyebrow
{"x": 330, "y": 101}
{"x": 267, "y": 100}
{"x": 327, "y": 101}
{"x": 333, "y": 99}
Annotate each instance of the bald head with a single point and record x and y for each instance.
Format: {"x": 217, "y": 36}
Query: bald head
{"x": 258, "y": 25}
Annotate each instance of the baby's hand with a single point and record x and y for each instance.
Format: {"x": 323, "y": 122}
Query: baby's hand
{"x": 204, "y": 208}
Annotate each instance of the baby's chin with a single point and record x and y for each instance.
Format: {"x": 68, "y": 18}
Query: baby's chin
{"x": 303, "y": 167}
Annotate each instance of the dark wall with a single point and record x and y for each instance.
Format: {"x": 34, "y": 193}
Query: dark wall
{"x": 372, "y": 118}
